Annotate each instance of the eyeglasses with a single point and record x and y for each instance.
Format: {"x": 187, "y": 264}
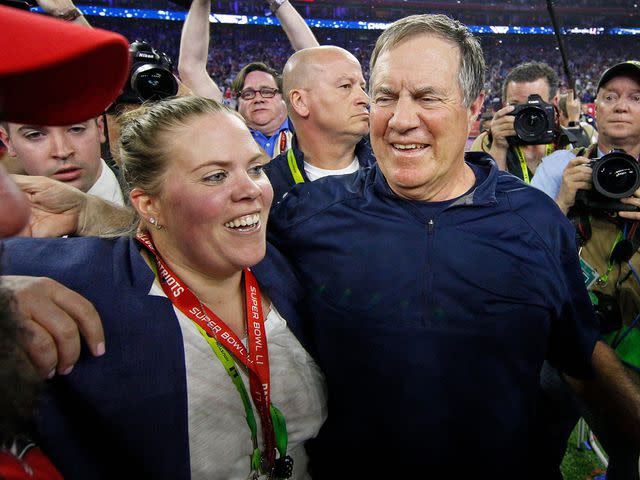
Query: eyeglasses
{"x": 265, "y": 92}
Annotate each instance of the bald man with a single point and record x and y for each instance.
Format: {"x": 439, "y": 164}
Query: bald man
{"x": 324, "y": 91}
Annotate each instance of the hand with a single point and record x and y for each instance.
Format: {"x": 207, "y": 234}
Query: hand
{"x": 502, "y": 127}
{"x": 55, "y": 206}
{"x": 573, "y": 107}
{"x": 55, "y": 318}
{"x": 576, "y": 176}
{"x": 635, "y": 201}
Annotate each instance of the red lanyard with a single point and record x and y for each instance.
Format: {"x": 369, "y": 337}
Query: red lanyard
{"x": 256, "y": 359}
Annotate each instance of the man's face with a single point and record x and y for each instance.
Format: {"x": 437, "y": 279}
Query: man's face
{"x": 262, "y": 114}
{"x": 336, "y": 96}
{"x": 518, "y": 92}
{"x": 70, "y": 154}
{"x": 618, "y": 111}
{"x": 419, "y": 125}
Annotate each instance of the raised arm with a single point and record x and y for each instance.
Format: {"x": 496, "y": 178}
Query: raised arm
{"x": 194, "y": 52}
{"x": 63, "y": 9}
{"x": 298, "y": 32}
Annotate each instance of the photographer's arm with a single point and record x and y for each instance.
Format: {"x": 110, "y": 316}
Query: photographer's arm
{"x": 576, "y": 176}
{"x": 501, "y": 128}
{"x": 59, "y": 209}
{"x": 612, "y": 392}
{"x": 60, "y": 8}
{"x": 298, "y": 32}
{"x": 194, "y": 52}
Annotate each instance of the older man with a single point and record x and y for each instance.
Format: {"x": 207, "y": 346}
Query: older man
{"x": 421, "y": 309}
{"x": 328, "y": 105}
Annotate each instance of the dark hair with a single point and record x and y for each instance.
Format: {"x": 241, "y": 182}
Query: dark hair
{"x": 19, "y": 382}
{"x": 238, "y": 83}
{"x": 530, "y": 72}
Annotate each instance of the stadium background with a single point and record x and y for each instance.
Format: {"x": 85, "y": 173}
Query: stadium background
{"x": 596, "y": 34}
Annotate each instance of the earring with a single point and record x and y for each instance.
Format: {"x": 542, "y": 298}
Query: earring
{"x": 153, "y": 221}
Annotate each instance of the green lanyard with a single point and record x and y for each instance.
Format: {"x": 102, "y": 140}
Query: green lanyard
{"x": 279, "y": 423}
{"x": 604, "y": 279}
{"x": 293, "y": 166}
{"x": 523, "y": 161}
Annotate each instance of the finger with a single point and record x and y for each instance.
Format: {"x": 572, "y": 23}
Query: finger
{"x": 63, "y": 332}
{"x": 84, "y": 315}
{"x": 41, "y": 348}
{"x": 570, "y": 96}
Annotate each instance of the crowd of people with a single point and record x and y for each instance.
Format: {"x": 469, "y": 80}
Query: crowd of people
{"x": 233, "y": 46}
{"x": 323, "y": 280}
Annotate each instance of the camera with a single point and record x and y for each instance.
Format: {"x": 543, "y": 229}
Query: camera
{"x": 615, "y": 175}
{"x": 150, "y": 77}
{"x": 534, "y": 122}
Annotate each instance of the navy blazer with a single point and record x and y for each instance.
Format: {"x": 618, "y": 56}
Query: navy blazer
{"x": 124, "y": 414}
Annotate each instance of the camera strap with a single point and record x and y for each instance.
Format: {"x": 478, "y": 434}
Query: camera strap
{"x": 523, "y": 161}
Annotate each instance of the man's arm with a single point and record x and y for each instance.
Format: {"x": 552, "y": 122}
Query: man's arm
{"x": 298, "y": 32}
{"x": 194, "y": 52}
{"x": 56, "y": 8}
{"x": 612, "y": 392}
{"x": 55, "y": 318}
{"x": 59, "y": 209}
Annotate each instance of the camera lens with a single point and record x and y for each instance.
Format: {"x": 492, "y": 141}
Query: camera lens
{"x": 531, "y": 123}
{"x": 616, "y": 175}
{"x": 153, "y": 83}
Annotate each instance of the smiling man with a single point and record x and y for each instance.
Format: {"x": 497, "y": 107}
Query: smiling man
{"x": 417, "y": 272}
{"x": 70, "y": 154}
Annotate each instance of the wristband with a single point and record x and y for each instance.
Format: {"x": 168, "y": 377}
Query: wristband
{"x": 68, "y": 15}
{"x": 274, "y": 5}
{"x": 573, "y": 124}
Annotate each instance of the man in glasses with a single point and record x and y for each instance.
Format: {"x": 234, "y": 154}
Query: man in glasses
{"x": 257, "y": 86}
{"x": 260, "y": 102}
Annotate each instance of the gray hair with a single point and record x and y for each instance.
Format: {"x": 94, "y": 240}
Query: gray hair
{"x": 472, "y": 65}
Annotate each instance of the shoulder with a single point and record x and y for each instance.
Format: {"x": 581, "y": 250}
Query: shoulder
{"x": 308, "y": 199}
{"x": 61, "y": 258}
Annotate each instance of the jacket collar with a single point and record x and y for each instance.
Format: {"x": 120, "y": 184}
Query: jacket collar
{"x": 483, "y": 194}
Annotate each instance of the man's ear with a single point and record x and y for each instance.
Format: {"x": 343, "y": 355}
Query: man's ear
{"x": 100, "y": 125}
{"x": 475, "y": 109}
{"x": 4, "y": 136}
{"x": 298, "y": 100}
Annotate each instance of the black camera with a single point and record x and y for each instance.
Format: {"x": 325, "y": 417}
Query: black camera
{"x": 615, "y": 175}
{"x": 151, "y": 75}
{"x": 534, "y": 122}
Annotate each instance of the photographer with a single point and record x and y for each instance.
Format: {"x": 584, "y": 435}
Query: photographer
{"x": 609, "y": 237}
{"x": 521, "y": 158}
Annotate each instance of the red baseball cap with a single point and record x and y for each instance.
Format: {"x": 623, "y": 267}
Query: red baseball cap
{"x": 54, "y": 72}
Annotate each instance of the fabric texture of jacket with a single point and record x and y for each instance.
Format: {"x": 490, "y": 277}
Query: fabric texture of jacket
{"x": 431, "y": 322}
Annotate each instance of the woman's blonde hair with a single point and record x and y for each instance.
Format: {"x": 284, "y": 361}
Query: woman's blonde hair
{"x": 145, "y": 140}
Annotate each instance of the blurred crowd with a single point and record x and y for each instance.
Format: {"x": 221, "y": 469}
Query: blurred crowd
{"x": 234, "y": 46}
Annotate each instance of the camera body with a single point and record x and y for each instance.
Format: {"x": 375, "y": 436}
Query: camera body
{"x": 615, "y": 175}
{"x": 534, "y": 122}
{"x": 150, "y": 77}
